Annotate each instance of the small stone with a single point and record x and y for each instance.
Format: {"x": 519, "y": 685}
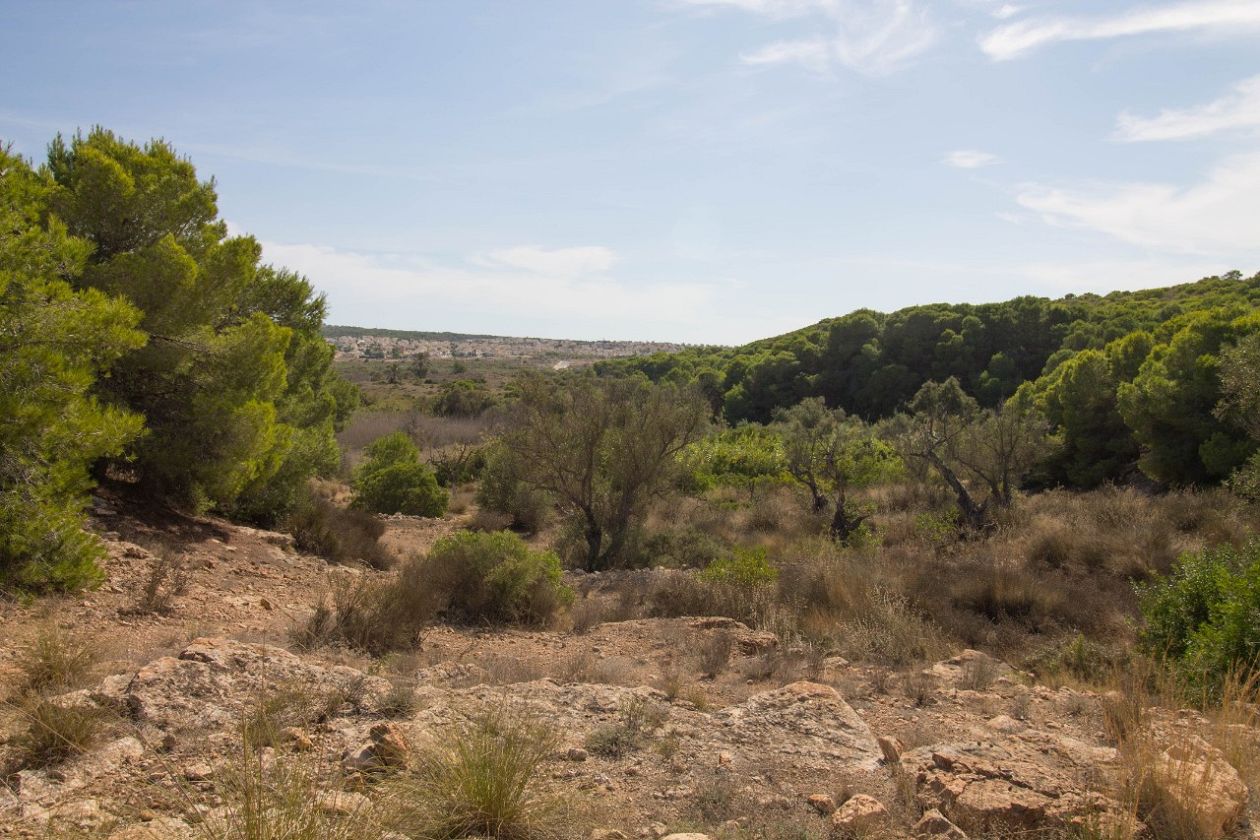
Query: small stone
{"x": 198, "y": 771}
{"x": 1005, "y": 724}
{"x": 891, "y": 747}
{"x": 822, "y": 803}
{"x": 266, "y": 604}
{"x": 724, "y": 758}
{"x": 935, "y": 824}
{"x": 298, "y": 738}
{"x": 342, "y": 802}
{"x": 577, "y": 754}
{"x": 607, "y": 834}
{"x": 687, "y": 836}
{"x": 858, "y": 815}
{"x": 389, "y": 744}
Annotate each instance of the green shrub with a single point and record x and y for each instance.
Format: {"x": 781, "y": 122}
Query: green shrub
{"x": 463, "y": 398}
{"x": 392, "y": 480}
{"x": 496, "y": 577}
{"x": 502, "y": 491}
{"x": 744, "y": 567}
{"x": 1203, "y": 614}
{"x": 743, "y": 457}
{"x": 683, "y": 548}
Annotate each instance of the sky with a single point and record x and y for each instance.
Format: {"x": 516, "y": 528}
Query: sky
{"x": 702, "y": 171}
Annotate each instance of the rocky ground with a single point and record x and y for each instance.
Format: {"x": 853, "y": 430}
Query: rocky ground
{"x": 772, "y": 739}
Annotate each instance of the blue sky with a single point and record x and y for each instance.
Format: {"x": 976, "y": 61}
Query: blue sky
{"x": 689, "y": 170}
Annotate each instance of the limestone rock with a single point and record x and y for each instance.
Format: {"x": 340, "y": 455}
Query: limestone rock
{"x": 891, "y": 747}
{"x": 162, "y": 828}
{"x": 934, "y": 824}
{"x": 822, "y": 803}
{"x": 804, "y": 715}
{"x": 342, "y": 802}
{"x": 1196, "y": 780}
{"x": 858, "y": 815}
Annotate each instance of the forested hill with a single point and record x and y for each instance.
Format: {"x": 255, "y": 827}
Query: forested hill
{"x": 870, "y": 363}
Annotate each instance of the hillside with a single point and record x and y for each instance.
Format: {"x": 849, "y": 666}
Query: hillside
{"x": 371, "y": 343}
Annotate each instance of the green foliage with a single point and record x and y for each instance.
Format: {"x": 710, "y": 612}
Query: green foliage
{"x": 743, "y": 457}
{"x": 1203, "y": 614}
{"x": 502, "y": 490}
{"x": 55, "y": 343}
{"x": 743, "y": 567}
{"x": 393, "y": 480}
{"x": 463, "y": 398}
{"x": 832, "y": 454}
{"x": 1080, "y": 354}
{"x": 1240, "y": 404}
{"x": 1170, "y": 404}
{"x": 602, "y": 448}
{"x": 497, "y": 578}
{"x": 235, "y": 382}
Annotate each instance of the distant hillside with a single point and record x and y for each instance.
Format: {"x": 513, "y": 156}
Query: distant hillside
{"x": 870, "y": 363}
{"x": 370, "y": 342}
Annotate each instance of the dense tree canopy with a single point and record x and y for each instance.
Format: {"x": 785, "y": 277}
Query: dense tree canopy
{"x": 235, "y": 382}
{"x": 1077, "y": 354}
{"x": 140, "y": 339}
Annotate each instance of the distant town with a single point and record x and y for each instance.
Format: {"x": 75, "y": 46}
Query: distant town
{"x": 367, "y": 343}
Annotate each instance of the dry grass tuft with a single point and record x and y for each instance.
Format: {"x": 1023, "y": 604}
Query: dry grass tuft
{"x": 482, "y": 782}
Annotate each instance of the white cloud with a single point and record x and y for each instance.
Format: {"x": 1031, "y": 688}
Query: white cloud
{"x": 560, "y": 262}
{"x": 970, "y": 159}
{"x": 1231, "y": 17}
{"x": 1102, "y": 276}
{"x": 1219, "y": 215}
{"x": 869, "y": 36}
{"x": 564, "y": 292}
{"x": 1238, "y": 109}
{"x": 1006, "y": 10}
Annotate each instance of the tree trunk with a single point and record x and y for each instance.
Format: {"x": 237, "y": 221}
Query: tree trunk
{"x": 594, "y": 542}
{"x": 973, "y": 516}
{"x": 843, "y": 525}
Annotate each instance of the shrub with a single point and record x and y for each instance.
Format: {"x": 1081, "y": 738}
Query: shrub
{"x": 502, "y": 491}
{"x": 744, "y": 567}
{"x": 392, "y": 480}
{"x": 374, "y": 616}
{"x": 55, "y": 732}
{"x": 1202, "y": 615}
{"x": 496, "y": 577}
{"x": 338, "y": 534}
{"x": 482, "y": 782}
{"x": 463, "y": 398}
{"x": 53, "y": 663}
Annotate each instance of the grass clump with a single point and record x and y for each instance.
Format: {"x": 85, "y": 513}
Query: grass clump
{"x": 638, "y": 720}
{"x": 53, "y": 663}
{"x": 56, "y": 732}
{"x": 482, "y": 782}
{"x": 496, "y": 578}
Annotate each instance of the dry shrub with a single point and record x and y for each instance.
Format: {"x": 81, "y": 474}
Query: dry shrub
{"x": 168, "y": 578}
{"x": 713, "y": 652}
{"x": 638, "y": 719}
{"x": 55, "y": 732}
{"x": 489, "y": 521}
{"x": 586, "y": 614}
{"x": 372, "y": 616}
{"x": 283, "y": 797}
{"x": 53, "y": 663}
{"x": 481, "y": 781}
{"x": 338, "y": 534}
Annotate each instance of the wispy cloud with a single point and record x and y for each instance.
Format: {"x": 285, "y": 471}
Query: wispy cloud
{"x": 969, "y": 159}
{"x": 560, "y": 262}
{"x": 1238, "y": 109}
{"x": 1220, "y": 215}
{"x": 1234, "y": 17}
{"x": 523, "y": 290}
{"x": 874, "y": 37}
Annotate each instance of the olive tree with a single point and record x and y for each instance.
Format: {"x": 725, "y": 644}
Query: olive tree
{"x": 831, "y": 453}
{"x": 967, "y": 446}
{"x": 601, "y": 448}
